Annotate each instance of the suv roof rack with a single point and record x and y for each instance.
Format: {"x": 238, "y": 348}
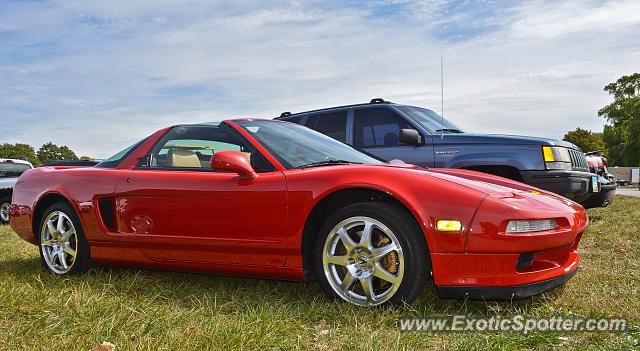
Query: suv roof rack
{"x": 373, "y": 101}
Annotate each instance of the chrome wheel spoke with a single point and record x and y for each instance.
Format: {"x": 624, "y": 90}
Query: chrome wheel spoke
{"x": 60, "y": 224}
{"x": 379, "y": 253}
{"x": 47, "y": 242}
{"x": 71, "y": 252}
{"x": 365, "y": 239}
{"x": 52, "y": 229}
{"x": 65, "y": 236}
{"x": 62, "y": 259}
{"x": 337, "y": 260}
{"x": 52, "y": 257}
{"x": 347, "y": 282}
{"x": 383, "y": 274}
{"x": 367, "y": 286}
{"x": 348, "y": 243}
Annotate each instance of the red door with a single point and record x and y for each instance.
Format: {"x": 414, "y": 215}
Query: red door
{"x": 204, "y": 216}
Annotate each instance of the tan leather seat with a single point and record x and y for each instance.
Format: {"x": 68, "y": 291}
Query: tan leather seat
{"x": 247, "y": 155}
{"x": 183, "y": 158}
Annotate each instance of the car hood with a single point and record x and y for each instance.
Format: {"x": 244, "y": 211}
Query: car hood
{"x": 471, "y": 138}
{"x": 484, "y": 185}
{"x": 489, "y": 184}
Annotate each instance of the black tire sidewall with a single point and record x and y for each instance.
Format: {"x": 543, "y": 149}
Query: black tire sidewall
{"x": 83, "y": 253}
{"x": 412, "y": 242}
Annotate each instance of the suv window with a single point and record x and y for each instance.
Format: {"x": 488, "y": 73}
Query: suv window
{"x": 378, "y": 127}
{"x": 191, "y": 148}
{"x": 12, "y": 169}
{"x": 333, "y": 124}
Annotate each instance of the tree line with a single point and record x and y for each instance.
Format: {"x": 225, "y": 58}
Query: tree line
{"x": 46, "y": 153}
{"x": 620, "y": 138}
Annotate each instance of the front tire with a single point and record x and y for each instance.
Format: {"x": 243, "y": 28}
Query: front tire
{"x": 5, "y": 202}
{"x": 371, "y": 254}
{"x": 63, "y": 246}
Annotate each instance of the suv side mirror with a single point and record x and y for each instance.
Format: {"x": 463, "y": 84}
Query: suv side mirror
{"x": 233, "y": 161}
{"x": 410, "y": 136}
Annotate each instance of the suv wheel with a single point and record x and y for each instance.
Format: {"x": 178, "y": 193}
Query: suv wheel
{"x": 5, "y": 202}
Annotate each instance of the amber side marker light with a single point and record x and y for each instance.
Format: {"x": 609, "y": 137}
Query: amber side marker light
{"x": 447, "y": 225}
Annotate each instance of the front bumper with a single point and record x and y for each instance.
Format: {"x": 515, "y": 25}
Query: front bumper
{"x": 503, "y": 292}
{"x": 574, "y": 185}
{"x": 602, "y": 198}
{"x": 499, "y": 276}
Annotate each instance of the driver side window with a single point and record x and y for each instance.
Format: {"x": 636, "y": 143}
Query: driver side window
{"x": 191, "y": 148}
{"x": 377, "y": 126}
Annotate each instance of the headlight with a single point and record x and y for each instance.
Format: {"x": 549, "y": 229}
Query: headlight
{"x": 556, "y": 157}
{"x": 529, "y": 226}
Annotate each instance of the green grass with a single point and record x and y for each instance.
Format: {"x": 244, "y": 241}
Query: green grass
{"x": 147, "y": 310}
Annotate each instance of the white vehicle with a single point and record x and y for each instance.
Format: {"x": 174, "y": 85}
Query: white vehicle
{"x": 10, "y": 171}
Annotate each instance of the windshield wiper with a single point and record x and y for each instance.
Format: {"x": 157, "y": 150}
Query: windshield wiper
{"x": 451, "y": 130}
{"x": 328, "y": 163}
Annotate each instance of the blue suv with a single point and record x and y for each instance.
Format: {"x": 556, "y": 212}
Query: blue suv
{"x": 420, "y": 136}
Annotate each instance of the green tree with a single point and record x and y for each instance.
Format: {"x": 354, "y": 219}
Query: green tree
{"x": 86, "y": 158}
{"x": 19, "y": 152}
{"x": 586, "y": 140}
{"x": 614, "y": 144}
{"x": 51, "y": 152}
{"x": 622, "y": 136}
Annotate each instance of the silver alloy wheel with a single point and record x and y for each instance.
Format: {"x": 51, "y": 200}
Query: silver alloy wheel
{"x": 4, "y": 212}
{"x": 58, "y": 242}
{"x": 346, "y": 261}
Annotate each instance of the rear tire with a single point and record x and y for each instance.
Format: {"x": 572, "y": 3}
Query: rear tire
{"x": 371, "y": 254}
{"x": 5, "y": 202}
{"x": 63, "y": 247}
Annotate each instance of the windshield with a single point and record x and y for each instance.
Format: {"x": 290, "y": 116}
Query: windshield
{"x": 295, "y": 146}
{"x": 430, "y": 119}
{"x": 114, "y": 161}
{"x": 12, "y": 170}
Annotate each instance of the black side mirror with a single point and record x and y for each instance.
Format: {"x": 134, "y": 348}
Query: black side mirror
{"x": 410, "y": 136}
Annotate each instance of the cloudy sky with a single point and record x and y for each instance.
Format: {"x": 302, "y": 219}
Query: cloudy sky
{"x": 99, "y": 75}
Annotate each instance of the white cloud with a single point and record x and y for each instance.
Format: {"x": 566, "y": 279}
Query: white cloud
{"x": 99, "y": 75}
{"x": 552, "y": 20}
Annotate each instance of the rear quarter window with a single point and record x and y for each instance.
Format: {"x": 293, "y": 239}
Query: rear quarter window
{"x": 333, "y": 124}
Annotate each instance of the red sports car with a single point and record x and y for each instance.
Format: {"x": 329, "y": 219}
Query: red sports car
{"x": 272, "y": 199}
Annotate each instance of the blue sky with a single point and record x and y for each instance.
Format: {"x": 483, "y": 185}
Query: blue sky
{"x": 97, "y": 76}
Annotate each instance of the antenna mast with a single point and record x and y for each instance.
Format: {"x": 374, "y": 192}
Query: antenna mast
{"x": 442, "y": 96}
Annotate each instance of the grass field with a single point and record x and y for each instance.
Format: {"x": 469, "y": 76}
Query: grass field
{"x": 145, "y": 310}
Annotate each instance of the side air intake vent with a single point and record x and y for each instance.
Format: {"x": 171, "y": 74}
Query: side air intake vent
{"x": 106, "y": 205}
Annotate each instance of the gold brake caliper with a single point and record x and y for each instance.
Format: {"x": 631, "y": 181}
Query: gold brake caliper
{"x": 390, "y": 261}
